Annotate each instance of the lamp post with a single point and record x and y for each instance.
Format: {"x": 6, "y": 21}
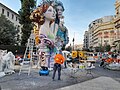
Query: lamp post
{"x": 73, "y": 43}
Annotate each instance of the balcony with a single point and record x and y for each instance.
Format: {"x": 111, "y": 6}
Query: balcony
{"x": 117, "y": 40}
{"x": 117, "y": 26}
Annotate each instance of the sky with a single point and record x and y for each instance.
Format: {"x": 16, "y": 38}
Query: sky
{"x": 78, "y": 14}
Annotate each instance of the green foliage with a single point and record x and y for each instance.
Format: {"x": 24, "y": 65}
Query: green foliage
{"x": 24, "y": 12}
{"x": 15, "y": 49}
{"x": 7, "y": 32}
{"x": 107, "y": 48}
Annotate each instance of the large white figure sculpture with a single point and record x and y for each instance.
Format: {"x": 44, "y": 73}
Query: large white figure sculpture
{"x": 7, "y": 63}
{"x": 2, "y": 53}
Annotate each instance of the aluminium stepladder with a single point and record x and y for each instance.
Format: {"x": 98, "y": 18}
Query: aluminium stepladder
{"x": 27, "y": 62}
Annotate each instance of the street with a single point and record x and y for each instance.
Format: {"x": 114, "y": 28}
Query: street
{"x": 36, "y": 82}
{"x": 79, "y": 39}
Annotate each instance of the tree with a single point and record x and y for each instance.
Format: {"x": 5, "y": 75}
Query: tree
{"x": 8, "y": 32}
{"x": 107, "y": 48}
{"x": 27, "y": 7}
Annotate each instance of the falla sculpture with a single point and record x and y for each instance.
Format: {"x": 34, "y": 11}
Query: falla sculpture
{"x": 51, "y": 36}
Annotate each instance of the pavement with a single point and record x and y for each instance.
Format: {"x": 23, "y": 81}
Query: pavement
{"x": 36, "y": 82}
{"x": 100, "y": 83}
{"x": 71, "y": 80}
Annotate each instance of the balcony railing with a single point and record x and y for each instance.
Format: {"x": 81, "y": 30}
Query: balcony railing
{"x": 117, "y": 26}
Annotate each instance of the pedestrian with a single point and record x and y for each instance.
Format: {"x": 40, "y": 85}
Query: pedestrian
{"x": 59, "y": 59}
{"x": 118, "y": 56}
{"x": 102, "y": 62}
{"x": 64, "y": 53}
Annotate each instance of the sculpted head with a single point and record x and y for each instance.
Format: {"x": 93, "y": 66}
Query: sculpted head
{"x": 50, "y": 13}
{"x": 60, "y": 9}
{"x": 43, "y": 12}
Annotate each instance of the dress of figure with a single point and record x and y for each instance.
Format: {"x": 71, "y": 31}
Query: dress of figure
{"x": 63, "y": 35}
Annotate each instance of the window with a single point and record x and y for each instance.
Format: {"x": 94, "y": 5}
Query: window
{"x": 8, "y": 14}
{"x": 16, "y": 18}
{"x": 12, "y": 16}
{"x": 106, "y": 36}
{"x": 117, "y": 12}
{"x": 3, "y": 11}
{"x": 111, "y": 31}
{"x": 105, "y": 32}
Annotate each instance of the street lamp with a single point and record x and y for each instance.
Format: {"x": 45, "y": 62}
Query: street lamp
{"x": 73, "y": 43}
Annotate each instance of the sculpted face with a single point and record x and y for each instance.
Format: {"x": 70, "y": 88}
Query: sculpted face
{"x": 50, "y": 14}
{"x": 59, "y": 11}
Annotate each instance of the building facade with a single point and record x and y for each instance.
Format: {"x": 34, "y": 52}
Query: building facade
{"x": 101, "y": 32}
{"x": 12, "y": 16}
{"x": 117, "y": 25}
{"x": 104, "y": 31}
{"x": 86, "y": 40}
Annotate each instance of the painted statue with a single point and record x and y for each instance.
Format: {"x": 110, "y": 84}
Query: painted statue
{"x": 53, "y": 35}
{"x": 62, "y": 33}
{"x": 45, "y": 16}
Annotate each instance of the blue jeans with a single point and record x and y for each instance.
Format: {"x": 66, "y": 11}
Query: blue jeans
{"x": 55, "y": 68}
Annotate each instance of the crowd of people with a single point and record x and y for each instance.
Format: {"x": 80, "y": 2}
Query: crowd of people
{"x": 108, "y": 58}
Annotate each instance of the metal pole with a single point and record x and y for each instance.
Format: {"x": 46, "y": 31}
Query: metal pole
{"x": 73, "y": 43}
{"x": 73, "y": 40}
